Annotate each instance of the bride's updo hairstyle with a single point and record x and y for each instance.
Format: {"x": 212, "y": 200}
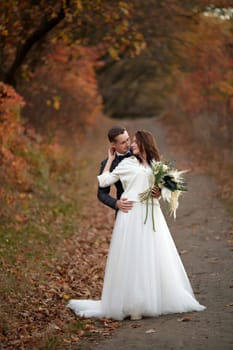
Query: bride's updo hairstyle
{"x": 146, "y": 143}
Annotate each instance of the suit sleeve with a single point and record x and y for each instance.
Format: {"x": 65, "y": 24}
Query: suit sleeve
{"x": 103, "y": 192}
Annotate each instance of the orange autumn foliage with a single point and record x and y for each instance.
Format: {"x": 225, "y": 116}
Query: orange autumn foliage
{"x": 201, "y": 101}
{"x": 24, "y": 24}
{"x": 206, "y": 83}
{"x": 12, "y": 139}
{"x": 79, "y": 79}
{"x": 23, "y": 153}
{"x": 63, "y": 95}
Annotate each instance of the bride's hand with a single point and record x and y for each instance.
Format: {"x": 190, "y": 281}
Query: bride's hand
{"x": 156, "y": 191}
{"x": 111, "y": 153}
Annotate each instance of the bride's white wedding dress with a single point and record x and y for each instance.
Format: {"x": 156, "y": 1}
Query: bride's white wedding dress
{"x": 144, "y": 273}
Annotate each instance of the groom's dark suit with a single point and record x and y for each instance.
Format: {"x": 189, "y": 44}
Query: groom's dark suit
{"x": 103, "y": 192}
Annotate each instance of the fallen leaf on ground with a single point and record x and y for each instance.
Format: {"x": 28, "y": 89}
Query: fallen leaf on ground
{"x": 183, "y": 252}
{"x": 184, "y": 319}
{"x": 21, "y": 218}
{"x": 66, "y": 297}
{"x": 135, "y": 325}
{"x": 150, "y": 331}
{"x": 231, "y": 304}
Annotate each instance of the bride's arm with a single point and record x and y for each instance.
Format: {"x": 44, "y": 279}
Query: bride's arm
{"x": 107, "y": 178}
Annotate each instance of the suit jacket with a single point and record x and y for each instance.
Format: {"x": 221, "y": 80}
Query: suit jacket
{"x": 103, "y": 192}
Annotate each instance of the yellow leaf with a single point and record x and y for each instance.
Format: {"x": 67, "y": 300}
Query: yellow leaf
{"x": 66, "y": 297}
{"x": 119, "y": 29}
{"x": 56, "y": 102}
{"x": 53, "y": 15}
{"x": 226, "y": 88}
{"x": 4, "y": 32}
{"x": 79, "y": 5}
{"x": 95, "y": 277}
{"x": 113, "y": 53}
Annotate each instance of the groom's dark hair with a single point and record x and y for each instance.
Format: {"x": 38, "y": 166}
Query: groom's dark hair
{"x": 114, "y": 132}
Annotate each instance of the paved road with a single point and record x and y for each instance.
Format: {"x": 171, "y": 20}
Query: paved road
{"x": 202, "y": 234}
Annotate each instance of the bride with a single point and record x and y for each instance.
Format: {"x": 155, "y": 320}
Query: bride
{"x": 144, "y": 274}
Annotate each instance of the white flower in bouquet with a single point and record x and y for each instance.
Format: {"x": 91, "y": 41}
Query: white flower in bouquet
{"x": 170, "y": 181}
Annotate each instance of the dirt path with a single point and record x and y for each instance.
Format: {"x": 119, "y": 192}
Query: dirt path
{"x": 202, "y": 236}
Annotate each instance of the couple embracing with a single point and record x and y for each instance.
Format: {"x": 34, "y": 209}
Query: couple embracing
{"x": 144, "y": 274}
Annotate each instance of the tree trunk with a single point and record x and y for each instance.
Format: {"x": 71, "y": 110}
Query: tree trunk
{"x": 22, "y": 51}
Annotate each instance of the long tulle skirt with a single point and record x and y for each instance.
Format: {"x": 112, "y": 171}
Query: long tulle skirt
{"x": 144, "y": 273}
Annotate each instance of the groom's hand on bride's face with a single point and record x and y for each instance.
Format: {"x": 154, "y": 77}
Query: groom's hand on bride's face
{"x": 124, "y": 205}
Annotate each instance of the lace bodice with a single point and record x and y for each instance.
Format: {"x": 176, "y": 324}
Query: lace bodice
{"x": 135, "y": 178}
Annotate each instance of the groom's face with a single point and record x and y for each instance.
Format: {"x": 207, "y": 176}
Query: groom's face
{"x": 122, "y": 143}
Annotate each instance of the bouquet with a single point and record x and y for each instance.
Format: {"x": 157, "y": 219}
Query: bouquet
{"x": 170, "y": 181}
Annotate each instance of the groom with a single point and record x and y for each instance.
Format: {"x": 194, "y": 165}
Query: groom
{"x": 119, "y": 139}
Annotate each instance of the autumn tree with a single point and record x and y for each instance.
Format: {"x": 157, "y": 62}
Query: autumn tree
{"x": 205, "y": 78}
{"x": 136, "y": 87}
{"x": 25, "y": 24}
{"x": 200, "y": 100}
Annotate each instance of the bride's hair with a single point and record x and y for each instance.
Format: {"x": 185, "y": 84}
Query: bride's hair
{"x": 146, "y": 143}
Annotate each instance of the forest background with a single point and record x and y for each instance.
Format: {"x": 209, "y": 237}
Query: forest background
{"x": 64, "y": 66}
